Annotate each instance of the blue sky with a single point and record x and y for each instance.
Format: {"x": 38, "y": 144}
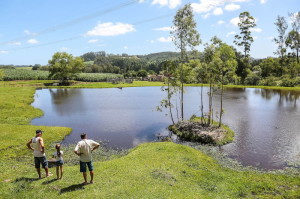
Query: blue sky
{"x": 32, "y": 31}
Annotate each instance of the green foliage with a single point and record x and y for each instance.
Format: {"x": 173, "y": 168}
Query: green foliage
{"x": 270, "y": 67}
{"x": 1, "y": 74}
{"x": 142, "y": 73}
{"x": 184, "y": 31}
{"x": 282, "y": 26}
{"x": 64, "y": 66}
{"x": 269, "y": 81}
{"x": 252, "y": 79}
{"x": 21, "y": 74}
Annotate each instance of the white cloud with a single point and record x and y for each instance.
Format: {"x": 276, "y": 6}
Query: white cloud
{"x": 27, "y": 32}
{"x": 255, "y": 29}
{"x": 232, "y": 7}
{"x": 255, "y": 37}
{"x": 206, "y": 15}
{"x": 63, "y": 48}
{"x": 221, "y": 22}
{"x": 125, "y": 47}
{"x": 263, "y": 1}
{"x": 230, "y": 33}
{"x": 32, "y": 41}
{"x": 17, "y": 43}
{"x": 270, "y": 37}
{"x": 170, "y": 3}
{"x": 235, "y": 21}
{"x": 165, "y": 39}
{"x": 209, "y": 5}
{"x": 3, "y": 51}
{"x": 92, "y": 40}
{"x": 164, "y": 29}
{"x": 110, "y": 29}
{"x": 218, "y": 11}
{"x": 141, "y": 1}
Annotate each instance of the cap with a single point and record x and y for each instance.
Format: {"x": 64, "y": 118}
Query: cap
{"x": 39, "y": 131}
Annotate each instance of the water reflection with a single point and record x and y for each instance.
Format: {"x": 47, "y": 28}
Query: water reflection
{"x": 266, "y": 122}
{"x": 285, "y": 97}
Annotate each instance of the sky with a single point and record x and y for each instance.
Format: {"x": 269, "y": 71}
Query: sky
{"x": 32, "y": 31}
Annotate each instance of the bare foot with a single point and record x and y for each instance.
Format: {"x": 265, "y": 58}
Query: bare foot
{"x": 84, "y": 183}
{"x": 92, "y": 182}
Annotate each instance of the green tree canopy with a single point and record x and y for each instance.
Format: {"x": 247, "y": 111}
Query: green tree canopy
{"x": 64, "y": 66}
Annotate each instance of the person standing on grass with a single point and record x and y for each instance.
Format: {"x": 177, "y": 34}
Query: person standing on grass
{"x": 84, "y": 149}
{"x": 38, "y": 149}
{"x": 58, "y": 155}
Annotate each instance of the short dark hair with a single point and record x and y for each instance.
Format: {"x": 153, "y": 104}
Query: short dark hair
{"x": 82, "y": 135}
{"x": 39, "y": 131}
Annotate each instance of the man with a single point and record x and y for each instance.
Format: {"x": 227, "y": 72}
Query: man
{"x": 38, "y": 152}
{"x": 84, "y": 149}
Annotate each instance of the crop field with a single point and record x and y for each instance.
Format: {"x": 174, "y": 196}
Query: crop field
{"x": 23, "y": 74}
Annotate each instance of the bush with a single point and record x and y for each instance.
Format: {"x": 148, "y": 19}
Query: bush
{"x": 287, "y": 82}
{"x": 269, "y": 81}
{"x": 1, "y": 75}
{"x": 252, "y": 79}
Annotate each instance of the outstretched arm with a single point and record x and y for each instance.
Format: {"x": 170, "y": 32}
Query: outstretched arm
{"x": 29, "y": 146}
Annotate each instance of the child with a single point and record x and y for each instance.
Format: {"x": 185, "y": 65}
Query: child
{"x": 58, "y": 155}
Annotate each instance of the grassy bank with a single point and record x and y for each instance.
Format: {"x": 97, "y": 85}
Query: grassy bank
{"x": 151, "y": 170}
{"x": 157, "y": 170}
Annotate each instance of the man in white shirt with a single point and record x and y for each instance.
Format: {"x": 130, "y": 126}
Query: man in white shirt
{"x": 84, "y": 149}
{"x": 38, "y": 152}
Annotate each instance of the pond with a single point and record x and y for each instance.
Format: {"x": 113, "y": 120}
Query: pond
{"x": 266, "y": 122}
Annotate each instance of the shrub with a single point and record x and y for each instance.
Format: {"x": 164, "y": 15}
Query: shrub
{"x": 252, "y": 79}
{"x": 269, "y": 81}
{"x": 287, "y": 82}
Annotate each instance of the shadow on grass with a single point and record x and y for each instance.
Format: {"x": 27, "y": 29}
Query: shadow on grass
{"x": 26, "y": 179}
{"x": 49, "y": 181}
{"x": 73, "y": 187}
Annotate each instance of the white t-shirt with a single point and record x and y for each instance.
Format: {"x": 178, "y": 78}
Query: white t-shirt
{"x": 58, "y": 158}
{"x": 84, "y": 147}
{"x": 37, "y": 147}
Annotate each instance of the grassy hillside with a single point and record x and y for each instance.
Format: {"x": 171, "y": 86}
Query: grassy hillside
{"x": 156, "y": 170}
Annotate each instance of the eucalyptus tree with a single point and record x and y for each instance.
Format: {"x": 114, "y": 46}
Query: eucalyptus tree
{"x": 208, "y": 54}
{"x": 224, "y": 62}
{"x": 282, "y": 26}
{"x": 244, "y": 39}
{"x": 185, "y": 37}
{"x": 293, "y": 38}
{"x": 64, "y": 66}
{"x": 169, "y": 71}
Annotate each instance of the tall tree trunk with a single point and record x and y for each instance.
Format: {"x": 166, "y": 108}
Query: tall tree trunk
{"x": 210, "y": 102}
{"x": 221, "y": 109}
{"x": 169, "y": 101}
{"x": 202, "y": 114}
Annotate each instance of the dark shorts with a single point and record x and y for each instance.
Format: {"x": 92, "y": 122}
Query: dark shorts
{"x": 83, "y": 166}
{"x": 38, "y": 161}
{"x": 59, "y": 162}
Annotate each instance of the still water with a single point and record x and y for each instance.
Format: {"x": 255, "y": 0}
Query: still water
{"x": 266, "y": 122}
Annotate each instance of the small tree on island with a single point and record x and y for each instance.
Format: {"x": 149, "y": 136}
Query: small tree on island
{"x": 64, "y": 66}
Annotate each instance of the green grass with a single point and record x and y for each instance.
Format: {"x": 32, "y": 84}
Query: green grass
{"x": 151, "y": 170}
{"x": 156, "y": 170}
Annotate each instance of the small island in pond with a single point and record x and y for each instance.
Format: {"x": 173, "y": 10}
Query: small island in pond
{"x": 196, "y": 131}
